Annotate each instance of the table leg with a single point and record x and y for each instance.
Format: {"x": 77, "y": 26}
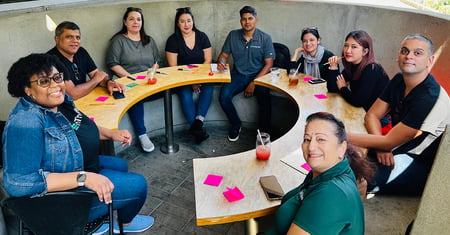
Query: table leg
{"x": 252, "y": 227}
{"x": 169, "y": 147}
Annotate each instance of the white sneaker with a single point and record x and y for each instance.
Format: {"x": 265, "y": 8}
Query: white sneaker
{"x": 146, "y": 143}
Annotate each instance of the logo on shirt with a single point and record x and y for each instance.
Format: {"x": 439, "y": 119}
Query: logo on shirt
{"x": 77, "y": 120}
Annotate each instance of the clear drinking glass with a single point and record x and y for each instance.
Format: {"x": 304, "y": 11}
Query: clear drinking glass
{"x": 293, "y": 78}
{"x": 263, "y": 146}
{"x": 151, "y": 73}
{"x": 275, "y": 74}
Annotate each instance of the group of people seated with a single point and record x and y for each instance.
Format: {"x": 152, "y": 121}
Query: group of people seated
{"x": 61, "y": 151}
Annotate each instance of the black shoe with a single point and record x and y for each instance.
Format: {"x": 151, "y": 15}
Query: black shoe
{"x": 200, "y": 136}
{"x": 196, "y": 125}
{"x": 233, "y": 133}
{"x": 198, "y": 132}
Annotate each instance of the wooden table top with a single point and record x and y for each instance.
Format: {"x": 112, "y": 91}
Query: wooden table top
{"x": 110, "y": 112}
{"x": 244, "y": 170}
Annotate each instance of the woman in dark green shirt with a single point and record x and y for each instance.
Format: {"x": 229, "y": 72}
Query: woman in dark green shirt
{"x": 328, "y": 201}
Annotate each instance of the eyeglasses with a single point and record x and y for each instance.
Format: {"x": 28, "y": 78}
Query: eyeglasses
{"x": 184, "y": 10}
{"x": 134, "y": 9}
{"x": 75, "y": 71}
{"x": 44, "y": 81}
{"x": 309, "y": 29}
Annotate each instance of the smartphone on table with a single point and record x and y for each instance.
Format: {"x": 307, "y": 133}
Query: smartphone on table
{"x": 118, "y": 95}
{"x": 272, "y": 189}
{"x": 317, "y": 81}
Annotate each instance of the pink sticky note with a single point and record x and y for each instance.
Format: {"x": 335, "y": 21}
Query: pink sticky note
{"x": 102, "y": 98}
{"x": 92, "y": 119}
{"x": 191, "y": 67}
{"x": 306, "y": 166}
{"x": 141, "y": 77}
{"x": 307, "y": 79}
{"x": 213, "y": 180}
{"x": 320, "y": 96}
{"x": 233, "y": 194}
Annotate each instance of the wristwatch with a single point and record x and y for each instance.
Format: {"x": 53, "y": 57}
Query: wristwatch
{"x": 81, "y": 178}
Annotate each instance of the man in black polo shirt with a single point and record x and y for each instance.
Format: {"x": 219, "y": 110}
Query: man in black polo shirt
{"x": 419, "y": 108}
{"x": 78, "y": 63}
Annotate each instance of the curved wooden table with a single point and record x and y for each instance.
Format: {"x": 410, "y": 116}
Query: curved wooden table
{"x": 244, "y": 170}
{"x": 110, "y": 112}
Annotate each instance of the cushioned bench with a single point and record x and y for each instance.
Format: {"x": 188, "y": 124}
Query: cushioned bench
{"x": 434, "y": 208}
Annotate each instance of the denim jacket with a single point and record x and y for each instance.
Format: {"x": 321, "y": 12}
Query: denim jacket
{"x": 37, "y": 141}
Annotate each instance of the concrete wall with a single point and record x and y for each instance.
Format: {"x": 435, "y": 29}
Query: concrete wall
{"x": 24, "y": 32}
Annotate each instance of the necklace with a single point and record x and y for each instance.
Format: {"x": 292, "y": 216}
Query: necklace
{"x": 136, "y": 43}
{"x": 133, "y": 41}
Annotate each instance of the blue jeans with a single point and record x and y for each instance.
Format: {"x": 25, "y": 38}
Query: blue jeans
{"x": 136, "y": 114}
{"x": 130, "y": 190}
{"x": 187, "y": 102}
{"x": 238, "y": 84}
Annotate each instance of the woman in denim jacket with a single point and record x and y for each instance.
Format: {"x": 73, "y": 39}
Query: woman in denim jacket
{"x": 49, "y": 145}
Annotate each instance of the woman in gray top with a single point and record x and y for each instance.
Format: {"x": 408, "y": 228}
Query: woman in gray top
{"x": 133, "y": 51}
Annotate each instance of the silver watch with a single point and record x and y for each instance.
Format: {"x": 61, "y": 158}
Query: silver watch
{"x": 81, "y": 178}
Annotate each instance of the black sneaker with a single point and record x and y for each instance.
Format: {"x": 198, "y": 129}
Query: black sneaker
{"x": 196, "y": 125}
{"x": 200, "y": 136}
{"x": 233, "y": 133}
{"x": 198, "y": 132}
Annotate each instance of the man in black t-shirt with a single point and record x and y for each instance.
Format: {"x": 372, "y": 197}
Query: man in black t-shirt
{"x": 418, "y": 106}
{"x": 78, "y": 63}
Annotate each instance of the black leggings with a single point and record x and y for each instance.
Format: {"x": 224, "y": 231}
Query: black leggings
{"x": 410, "y": 182}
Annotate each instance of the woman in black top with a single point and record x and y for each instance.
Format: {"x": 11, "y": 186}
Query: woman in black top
{"x": 363, "y": 78}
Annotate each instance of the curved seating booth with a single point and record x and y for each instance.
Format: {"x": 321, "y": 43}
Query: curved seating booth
{"x": 25, "y": 31}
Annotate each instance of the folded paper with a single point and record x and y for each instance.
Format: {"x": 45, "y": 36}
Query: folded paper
{"x": 213, "y": 180}
{"x": 321, "y": 96}
{"x": 306, "y": 166}
{"x": 141, "y": 77}
{"x": 131, "y": 85}
{"x": 233, "y": 194}
{"x": 102, "y": 98}
{"x": 307, "y": 79}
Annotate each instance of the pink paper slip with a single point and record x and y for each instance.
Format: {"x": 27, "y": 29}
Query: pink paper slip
{"x": 233, "y": 194}
{"x": 213, "y": 180}
{"x": 141, "y": 77}
{"x": 191, "y": 67}
{"x": 102, "y": 98}
{"x": 321, "y": 96}
{"x": 306, "y": 166}
{"x": 307, "y": 79}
